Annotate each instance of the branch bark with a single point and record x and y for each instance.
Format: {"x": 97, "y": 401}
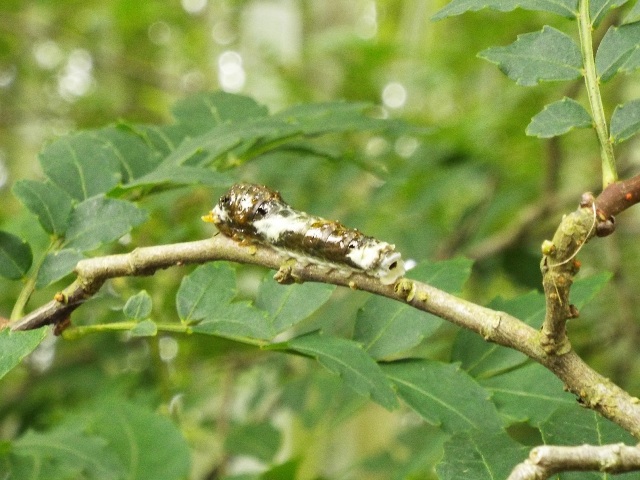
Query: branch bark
{"x": 545, "y": 461}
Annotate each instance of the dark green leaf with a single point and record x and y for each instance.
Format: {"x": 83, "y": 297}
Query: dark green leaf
{"x": 80, "y": 166}
{"x": 138, "y": 307}
{"x": 558, "y": 118}
{"x": 443, "y": 394}
{"x": 100, "y": 220}
{"x": 206, "y": 297}
{"x": 625, "y": 121}
{"x": 481, "y": 456}
{"x": 50, "y": 204}
{"x": 566, "y": 8}
{"x": 198, "y": 113}
{"x": 386, "y": 327}
{"x": 66, "y": 451}
{"x": 347, "y": 359}
{"x": 530, "y": 393}
{"x": 288, "y": 305}
{"x": 145, "y": 328}
{"x": 57, "y": 265}
{"x": 533, "y": 57}
{"x": 14, "y": 346}
{"x": 149, "y": 445}
{"x": 578, "y": 426}
{"x": 599, "y": 8}
{"x": 616, "y": 49}
{"x": 261, "y": 440}
{"x": 15, "y": 256}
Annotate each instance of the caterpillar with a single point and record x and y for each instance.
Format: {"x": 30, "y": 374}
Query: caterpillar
{"x": 249, "y": 212}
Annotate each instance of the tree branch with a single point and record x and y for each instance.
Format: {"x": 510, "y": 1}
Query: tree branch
{"x": 592, "y": 389}
{"x": 545, "y": 461}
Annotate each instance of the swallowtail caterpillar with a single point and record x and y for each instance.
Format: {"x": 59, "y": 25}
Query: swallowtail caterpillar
{"x": 255, "y": 213}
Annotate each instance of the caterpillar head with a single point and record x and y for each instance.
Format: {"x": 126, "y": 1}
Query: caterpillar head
{"x": 236, "y": 210}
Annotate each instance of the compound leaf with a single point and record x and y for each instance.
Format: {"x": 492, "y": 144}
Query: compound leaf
{"x": 558, "y": 118}
{"x": 534, "y": 57}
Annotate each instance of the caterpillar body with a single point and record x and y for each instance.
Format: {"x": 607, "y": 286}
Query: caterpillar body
{"x": 249, "y": 212}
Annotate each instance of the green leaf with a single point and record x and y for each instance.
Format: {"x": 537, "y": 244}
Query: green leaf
{"x": 625, "y": 121}
{"x": 149, "y": 445}
{"x": 80, "y": 166}
{"x": 585, "y": 289}
{"x": 599, "y": 8}
{"x": 558, "y": 118}
{"x": 530, "y": 393}
{"x": 50, "y": 204}
{"x": 65, "y": 452}
{"x": 57, "y": 265}
{"x": 145, "y": 328}
{"x": 138, "y": 307}
{"x": 578, "y": 426}
{"x": 199, "y": 112}
{"x": 15, "y": 256}
{"x": 566, "y": 8}
{"x": 633, "y": 15}
{"x": 14, "y": 346}
{"x": 134, "y": 157}
{"x": 443, "y": 394}
{"x": 347, "y": 359}
{"x": 534, "y": 57}
{"x": 258, "y": 440}
{"x": 480, "y": 455}
{"x": 100, "y": 220}
{"x": 386, "y": 327}
{"x": 617, "y": 49}
{"x": 206, "y": 297}
{"x": 288, "y": 305}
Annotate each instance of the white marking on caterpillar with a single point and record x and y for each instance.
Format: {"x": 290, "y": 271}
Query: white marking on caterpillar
{"x": 257, "y": 213}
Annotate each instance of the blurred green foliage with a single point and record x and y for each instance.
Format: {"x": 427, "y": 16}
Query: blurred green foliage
{"x": 452, "y": 186}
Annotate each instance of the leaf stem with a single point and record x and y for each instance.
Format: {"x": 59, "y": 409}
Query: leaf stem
{"x": 609, "y": 173}
{"x": 79, "y": 331}
{"x": 30, "y": 284}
